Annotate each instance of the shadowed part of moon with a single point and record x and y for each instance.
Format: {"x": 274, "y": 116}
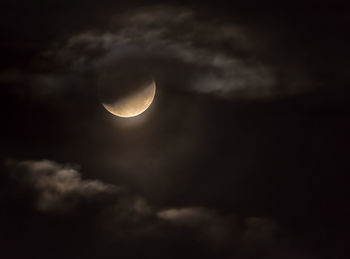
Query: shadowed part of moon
{"x": 134, "y": 104}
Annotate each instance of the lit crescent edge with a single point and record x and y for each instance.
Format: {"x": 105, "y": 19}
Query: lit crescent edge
{"x": 133, "y": 105}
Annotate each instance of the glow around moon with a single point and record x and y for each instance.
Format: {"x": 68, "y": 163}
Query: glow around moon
{"x": 134, "y": 104}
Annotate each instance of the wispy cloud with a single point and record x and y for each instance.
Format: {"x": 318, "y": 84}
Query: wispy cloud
{"x": 58, "y": 187}
{"x": 174, "y": 44}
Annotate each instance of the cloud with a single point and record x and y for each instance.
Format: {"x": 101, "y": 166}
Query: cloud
{"x": 192, "y": 215}
{"x": 207, "y": 223}
{"x": 126, "y": 218}
{"x": 239, "y": 236}
{"x": 263, "y": 234}
{"x": 58, "y": 187}
{"x": 132, "y": 208}
{"x": 182, "y": 50}
{"x": 260, "y": 228}
{"x": 41, "y": 86}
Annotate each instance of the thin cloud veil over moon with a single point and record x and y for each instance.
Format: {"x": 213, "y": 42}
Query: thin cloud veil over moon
{"x": 126, "y": 91}
{"x": 133, "y": 105}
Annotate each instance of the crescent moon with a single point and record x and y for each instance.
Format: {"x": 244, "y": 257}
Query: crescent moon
{"x": 134, "y": 104}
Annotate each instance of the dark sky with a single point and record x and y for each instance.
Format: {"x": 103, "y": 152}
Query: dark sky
{"x": 244, "y": 152}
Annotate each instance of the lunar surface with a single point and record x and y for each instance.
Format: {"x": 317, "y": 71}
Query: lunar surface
{"x": 125, "y": 89}
{"x": 134, "y": 104}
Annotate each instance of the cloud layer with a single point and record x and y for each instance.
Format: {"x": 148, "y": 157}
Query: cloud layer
{"x": 183, "y": 51}
{"x": 122, "y": 217}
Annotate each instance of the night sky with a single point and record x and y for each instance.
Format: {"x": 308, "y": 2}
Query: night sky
{"x": 244, "y": 152}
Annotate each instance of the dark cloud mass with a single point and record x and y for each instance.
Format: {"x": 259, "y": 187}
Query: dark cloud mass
{"x": 242, "y": 154}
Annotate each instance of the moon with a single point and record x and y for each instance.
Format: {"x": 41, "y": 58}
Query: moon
{"x": 135, "y": 103}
